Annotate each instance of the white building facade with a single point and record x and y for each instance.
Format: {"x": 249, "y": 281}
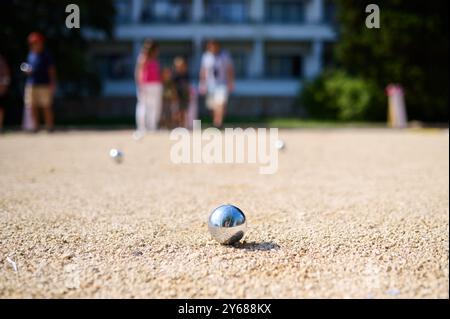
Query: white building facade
{"x": 276, "y": 44}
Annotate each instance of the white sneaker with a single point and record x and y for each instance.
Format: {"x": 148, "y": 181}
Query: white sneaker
{"x": 137, "y": 135}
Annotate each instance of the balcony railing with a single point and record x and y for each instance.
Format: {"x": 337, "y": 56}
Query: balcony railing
{"x": 292, "y": 12}
{"x": 232, "y": 11}
{"x": 285, "y": 12}
{"x": 170, "y": 11}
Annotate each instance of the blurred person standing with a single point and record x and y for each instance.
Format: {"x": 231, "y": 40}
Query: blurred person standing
{"x": 169, "y": 100}
{"x": 216, "y": 80}
{"x": 5, "y": 79}
{"x": 183, "y": 87}
{"x": 41, "y": 81}
{"x": 149, "y": 89}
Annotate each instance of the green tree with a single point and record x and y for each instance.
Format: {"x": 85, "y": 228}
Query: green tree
{"x": 68, "y": 46}
{"x": 409, "y": 48}
{"x": 336, "y": 95}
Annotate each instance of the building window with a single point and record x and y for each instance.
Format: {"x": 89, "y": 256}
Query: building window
{"x": 330, "y": 12}
{"x": 284, "y": 66}
{"x": 239, "y": 64}
{"x": 123, "y": 11}
{"x": 114, "y": 66}
{"x": 232, "y": 11}
{"x": 285, "y": 11}
{"x": 166, "y": 11}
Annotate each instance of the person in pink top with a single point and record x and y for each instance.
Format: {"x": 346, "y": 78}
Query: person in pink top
{"x": 149, "y": 89}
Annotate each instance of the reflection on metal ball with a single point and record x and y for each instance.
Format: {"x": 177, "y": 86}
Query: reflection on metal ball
{"x": 227, "y": 224}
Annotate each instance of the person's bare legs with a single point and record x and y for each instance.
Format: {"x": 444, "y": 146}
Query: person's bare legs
{"x": 218, "y": 114}
{"x": 182, "y": 118}
{"x": 35, "y": 117}
{"x": 48, "y": 118}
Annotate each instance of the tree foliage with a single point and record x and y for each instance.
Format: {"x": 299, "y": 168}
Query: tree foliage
{"x": 68, "y": 46}
{"x": 409, "y": 48}
{"x": 335, "y": 95}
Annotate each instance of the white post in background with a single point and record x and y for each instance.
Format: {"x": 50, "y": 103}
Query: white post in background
{"x": 136, "y": 9}
{"x": 257, "y": 10}
{"x": 312, "y": 63}
{"x": 256, "y": 63}
{"x": 314, "y": 11}
{"x": 397, "y": 117}
{"x": 197, "y": 10}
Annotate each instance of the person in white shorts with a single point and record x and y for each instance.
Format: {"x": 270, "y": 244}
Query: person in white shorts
{"x": 216, "y": 80}
{"x": 149, "y": 89}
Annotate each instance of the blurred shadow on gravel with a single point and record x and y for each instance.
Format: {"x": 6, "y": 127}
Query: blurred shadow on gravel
{"x": 254, "y": 246}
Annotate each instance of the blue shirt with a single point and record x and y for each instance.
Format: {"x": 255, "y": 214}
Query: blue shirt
{"x": 40, "y": 67}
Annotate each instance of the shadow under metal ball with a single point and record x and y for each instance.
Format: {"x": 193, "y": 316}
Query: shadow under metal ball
{"x": 227, "y": 224}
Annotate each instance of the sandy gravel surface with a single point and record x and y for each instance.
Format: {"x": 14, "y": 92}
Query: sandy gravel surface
{"x": 350, "y": 213}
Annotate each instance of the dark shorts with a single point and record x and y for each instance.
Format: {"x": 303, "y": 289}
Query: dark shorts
{"x": 3, "y": 101}
{"x": 184, "y": 105}
{"x": 183, "y": 98}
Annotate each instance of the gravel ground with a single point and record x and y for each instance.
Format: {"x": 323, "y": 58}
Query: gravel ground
{"x": 350, "y": 214}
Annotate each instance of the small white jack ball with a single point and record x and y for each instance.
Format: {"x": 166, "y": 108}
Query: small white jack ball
{"x": 279, "y": 144}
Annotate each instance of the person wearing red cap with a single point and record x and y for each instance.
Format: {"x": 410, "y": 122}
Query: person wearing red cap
{"x": 41, "y": 81}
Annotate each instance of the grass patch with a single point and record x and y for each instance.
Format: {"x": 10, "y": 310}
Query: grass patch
{"x": 307, "y": 123}
{"x": 279, "y": 122}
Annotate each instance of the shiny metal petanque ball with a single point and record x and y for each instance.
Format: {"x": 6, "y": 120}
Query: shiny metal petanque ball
{"x": 227, "y": 224}
{"x": 116, "y": 155}
{"x": 25, "y": 67}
